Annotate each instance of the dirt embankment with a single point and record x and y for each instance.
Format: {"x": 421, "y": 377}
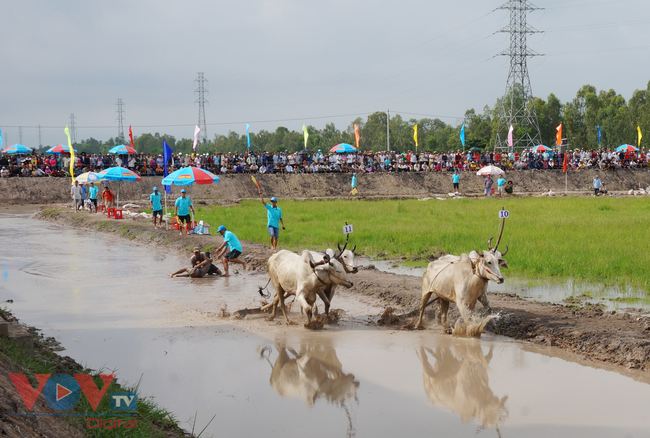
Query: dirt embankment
{"x": 620, "y": 339}
{"x": 371, "y": 185}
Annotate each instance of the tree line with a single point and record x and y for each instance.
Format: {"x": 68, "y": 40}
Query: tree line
{"x": 618, "y": 120}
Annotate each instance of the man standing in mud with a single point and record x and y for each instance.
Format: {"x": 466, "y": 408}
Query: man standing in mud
{"x": 597, "y": 185}
{"x": 75, "y": 193}
{"x": 156, "y": 206}
{"x": 230, "y": 242}
{"x": 274, "y": 217}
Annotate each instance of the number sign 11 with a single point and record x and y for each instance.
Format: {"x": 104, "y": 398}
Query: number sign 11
{"x": 347, "y": 229}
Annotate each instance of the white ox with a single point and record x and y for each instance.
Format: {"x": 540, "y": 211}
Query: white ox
{"x": 299, "y": 275}
{"x": 459, "y": 280}
{"x": 346, "y": 259}
{"x": 474, "y": 256}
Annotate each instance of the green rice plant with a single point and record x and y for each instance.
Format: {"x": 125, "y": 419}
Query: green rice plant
{"x": 595, "y": 239}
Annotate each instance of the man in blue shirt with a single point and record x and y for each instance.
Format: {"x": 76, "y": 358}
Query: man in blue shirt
{"x": 501, "y": 182}
{"x": 182, "y": 210}
{"x": 231, "y": 243}
{"x": 156, "y": 206}
{"x": 455, "y": 179}
{"x": 597, "y": 185}
{"x": 274, "y": 217}
{"x": 354, "y": 185}
{"x": 92, "y": 194}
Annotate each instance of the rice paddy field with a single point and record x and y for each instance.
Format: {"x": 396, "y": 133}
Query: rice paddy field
{"x": 602, "y": 240}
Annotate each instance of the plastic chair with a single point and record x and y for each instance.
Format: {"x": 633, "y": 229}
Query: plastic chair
{"x": 101, "y": 207}
{"x": 175, "y": 224}
{"x": 111, "y": 212}
{"x": 118, "y": 213}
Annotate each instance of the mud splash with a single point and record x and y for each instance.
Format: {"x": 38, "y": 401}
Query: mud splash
{"x": 474, "y": 327}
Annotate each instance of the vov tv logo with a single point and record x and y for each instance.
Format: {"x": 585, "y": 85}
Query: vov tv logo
{"x": 62, "y": 391}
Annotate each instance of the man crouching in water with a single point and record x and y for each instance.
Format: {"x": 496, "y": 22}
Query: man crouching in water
{"x": 197, "y": 271}
{"x": 199, "y": 257}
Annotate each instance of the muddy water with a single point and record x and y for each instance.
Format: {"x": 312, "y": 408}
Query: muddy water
{"x": 111, "y": 305}
{"x": 544, "y": 290}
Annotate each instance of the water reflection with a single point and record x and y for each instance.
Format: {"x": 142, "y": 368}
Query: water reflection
{"x": 455, "y": 376}
{"x": 312, "y": 372}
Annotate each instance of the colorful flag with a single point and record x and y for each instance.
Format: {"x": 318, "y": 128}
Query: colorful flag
{"x": 415, "y": 135}
{"x": 598, "y": 126}
{"x": 565, "y": 164}
{"x": 131, "y": 136}
{"x": 248, "y": 136}
{"x": 558, "y": 136}
{"x": 67, "y": 132}
{"x": 638, "y": 128}
{"x": 511, "y": 142}
{"x": 167, "y": 153}
{"x": 356, "y": 135}
{"x": 255, "y": 181}
{"x": 462, "y": 135}
{"x": 196, "y": 139}
{"x": 306, "y": 135}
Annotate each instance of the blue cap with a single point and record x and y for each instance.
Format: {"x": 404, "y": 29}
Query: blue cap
{"x": 274, "y": 199}
{"x": 183, "y": 191}
{"x": 221, "y": 228}
{"x": 155, "y": 189}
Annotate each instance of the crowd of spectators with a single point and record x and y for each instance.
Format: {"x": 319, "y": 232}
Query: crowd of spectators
{"x": 319, "y": 162}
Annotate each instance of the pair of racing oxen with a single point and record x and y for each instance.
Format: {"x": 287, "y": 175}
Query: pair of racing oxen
{"x": 459, "y": 279}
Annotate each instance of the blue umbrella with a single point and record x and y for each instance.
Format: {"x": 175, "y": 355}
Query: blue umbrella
{"x": 343, "y": 148}
{"x": 118, "y": 174}
{"x": 17, "y": 149}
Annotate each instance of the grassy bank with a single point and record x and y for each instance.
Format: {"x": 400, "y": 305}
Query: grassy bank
{"x": 152, "y": 420}
{"x": 596, "y": 239}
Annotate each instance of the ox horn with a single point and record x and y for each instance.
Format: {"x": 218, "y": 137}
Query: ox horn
{"x": 338, "y": 256}
{"x": 503, "y": 223}
{"x": 506, "y": 251}
{"x": 490, "y": 243}
{"x": 354, "y": 248}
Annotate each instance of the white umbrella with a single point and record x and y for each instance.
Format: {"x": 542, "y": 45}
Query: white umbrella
{"x": 490, "y": 170}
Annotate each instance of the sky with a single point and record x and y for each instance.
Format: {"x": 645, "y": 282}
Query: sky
{"x": 273, "y": 63}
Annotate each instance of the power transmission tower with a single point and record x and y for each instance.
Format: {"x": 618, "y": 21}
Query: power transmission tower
{"x": 517, "y": 108}
{"x": 120, "y": 119}
{"x": 20, "y": 135}
{"x": 201, "y": 82}
{"x": 40, "y": 137}
{"x": 73, "y": 131}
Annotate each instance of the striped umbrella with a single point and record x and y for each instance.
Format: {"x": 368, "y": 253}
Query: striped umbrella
{"x": 626, "y": 148}
{"x": 89, "y": 177}
{"x": 343, "y": 148}
{"x": 118, "y": 174}
{"x": 122, "y": 149}
{"x": 190, "y": 175}
{"x": 60, "y": 149}
{"x": 17, "y": 149}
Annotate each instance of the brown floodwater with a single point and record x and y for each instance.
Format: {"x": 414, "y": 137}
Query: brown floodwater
{"x": 112, "y": 306}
